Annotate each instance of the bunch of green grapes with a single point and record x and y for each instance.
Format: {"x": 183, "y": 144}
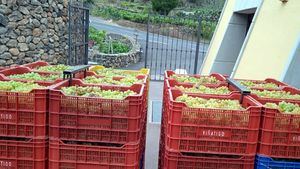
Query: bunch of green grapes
{"x": 54, "y": 68}
{"x": 252, "y": 84}
{"x": 204, "y": 90}
{"x": 126, "y": 81}
{"x": 285, "y": 107}
{"x": 276, "y": 94}
{"x": 96, "y": 92}
{"x": 130, "y": 80}
{"x": 14, "y": 86}
{"x": 34, "y": 76}
{"x": 104, "y": 80}
{"x": 198, "y": 81}
{"x": 110, "y": 72}
{"x": 197, "y": 102}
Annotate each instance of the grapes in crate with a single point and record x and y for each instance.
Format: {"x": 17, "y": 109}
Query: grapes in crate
{"x": 197, "y": 102}
{"x": 96, "y": 92}
{"x": 126, "y": 81}
{"x": 53, "y": 68}
{"x": 35, "y": 76}
{"x": 110, "y": 72}
{"x": 13, "y": 86}
{"x": 285, "y": 107}
{"x": 253, "y": 84}
{"x": 204, "y": 90}
{"x": 276, "y": 94}
{"x": 199, "y": 81}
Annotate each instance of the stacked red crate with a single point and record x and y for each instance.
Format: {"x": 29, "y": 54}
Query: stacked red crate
{"x": 95, "y": 132}
{"x": 279, "y": 132}
{"x": 24, "y": 123}
{"x": 278, "y": 142}
{"x": 214, "y": 138}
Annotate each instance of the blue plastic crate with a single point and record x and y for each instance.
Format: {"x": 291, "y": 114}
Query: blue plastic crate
{"x": 264, "y": 162}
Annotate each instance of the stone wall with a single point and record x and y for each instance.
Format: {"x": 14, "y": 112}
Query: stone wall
{"x": 33, "y": 30}
{"x": 119, "y": 60}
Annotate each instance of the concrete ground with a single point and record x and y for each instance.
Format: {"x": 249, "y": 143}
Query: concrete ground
{"x": 153, "y": 128}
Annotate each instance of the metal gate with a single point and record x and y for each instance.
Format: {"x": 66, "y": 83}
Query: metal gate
{"x": 78, "y": 33}
{"x": 174, "y": 43}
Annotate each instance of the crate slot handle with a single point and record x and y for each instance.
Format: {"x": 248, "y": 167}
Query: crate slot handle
{"x": 70, "y": 73}
{"x": 244, "y": 91}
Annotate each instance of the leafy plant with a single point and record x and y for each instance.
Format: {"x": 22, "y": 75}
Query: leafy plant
{"x": 164, "y": 6}
{"x": 108, "y": 12}
{"x": 104, "y": 46}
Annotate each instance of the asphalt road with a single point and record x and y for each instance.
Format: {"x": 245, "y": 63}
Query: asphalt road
{"x": 163, "y": 52}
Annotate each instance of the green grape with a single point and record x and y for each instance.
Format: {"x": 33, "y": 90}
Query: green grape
{"x": 14, "y": 86}
{"x": 285, "y": 107}
{"x": 96, "y": 92}
{"x": 110, "y": 72}
{"x": 204, "y": 90}
{"x": 197, "y": 102}
{"x": 34, "y": 76}
{"x": 199, "y": 81}
{"x": 271, "y": 105}
{"x": 126, "y": 81}
{"x": 54, "y": 68}
{"x": 130, "y": 80}
{"x": 252, "y": 84}
{"x": 278, "y": 94}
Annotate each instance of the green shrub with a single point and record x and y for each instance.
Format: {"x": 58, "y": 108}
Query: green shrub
{"x": 116, "y": 47}
{"x": 207, "y": 26}
{"x": 164, "y": 6}
{"x": 103, "y": 45}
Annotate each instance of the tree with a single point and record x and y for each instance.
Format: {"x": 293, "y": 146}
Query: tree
{"x": 164, "y": 6}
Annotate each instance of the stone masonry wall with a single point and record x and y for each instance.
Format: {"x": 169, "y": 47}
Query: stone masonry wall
{"x": 33, "y": 30}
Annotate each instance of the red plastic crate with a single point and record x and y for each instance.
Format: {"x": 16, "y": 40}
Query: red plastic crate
{"x": 24, "y": 114}
{"x": 22, "y": 70}
{"x": 212, "y": 130}
{"x": 172, "y": 83}
{"x": 36, "y": 64}
{"x": 219, "y": 77}
{"x": 268, "y": 80}
{"x": 65, "y": 155}
{"x": 280, "y": 133}
{"x": 177, "y": 160}
{"x": 97, "y": 119}
{"x": 33, "y": 66}
{"x": 25, "y": 154}
{"x": 162, "y": 141}
{"x": 144, "y": 78}
{"x": 292, "y": 90}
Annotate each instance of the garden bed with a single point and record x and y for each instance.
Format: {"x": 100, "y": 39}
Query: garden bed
{"x": 117, "y": 60}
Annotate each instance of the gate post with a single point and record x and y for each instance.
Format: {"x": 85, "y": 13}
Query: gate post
{"x": 69, "y": 35}
{"x": 147, "y": 41}
{"x": 87, "y": 22}
{"x": 198, "y": 45}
